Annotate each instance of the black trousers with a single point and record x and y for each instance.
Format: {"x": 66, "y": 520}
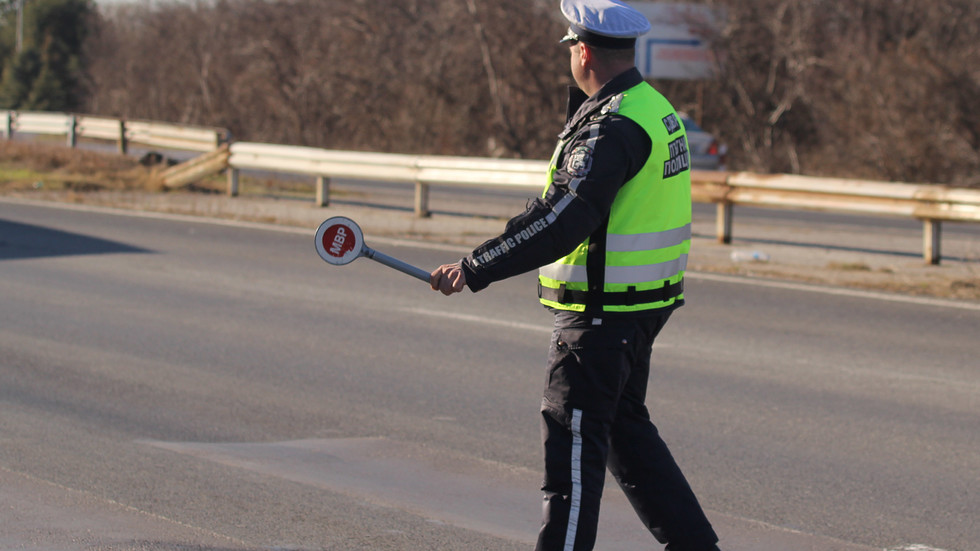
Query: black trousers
{"x": 594, "y": 417}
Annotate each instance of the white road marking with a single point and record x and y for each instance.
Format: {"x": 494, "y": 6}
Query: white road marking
{"x": 497, "y": 322}
{"x": 478, "y": 319}
{"x": 840, "y": 291}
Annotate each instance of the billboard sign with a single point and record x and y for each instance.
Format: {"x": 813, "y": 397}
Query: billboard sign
{"x": 677, "y": 45}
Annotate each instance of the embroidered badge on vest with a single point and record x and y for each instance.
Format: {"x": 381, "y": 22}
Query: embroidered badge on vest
{"x": 671, "y": 123}
{"x": 680, "y": 158}
{"x": 579, "y": 161}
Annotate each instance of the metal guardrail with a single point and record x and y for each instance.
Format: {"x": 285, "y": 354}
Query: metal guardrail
{"x": 932, "y": 204}
{"x": 422, "y": 170}
{"x": 121, "y": 131}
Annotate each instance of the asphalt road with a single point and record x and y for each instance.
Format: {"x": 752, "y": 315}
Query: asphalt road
{"x": 170, "y": 384}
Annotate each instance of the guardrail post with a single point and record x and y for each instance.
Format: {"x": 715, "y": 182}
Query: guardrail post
{"x": 422, "y": 200}
{"x": 232, "y": 182}
{"x": 932, "y": 241}
{"x": 8, "y": 126}
{"x": 72, "y": 131}
{"x": 123, "y": 145}
{"x": 723, "y": 222}
{"x": 322, "y": 191}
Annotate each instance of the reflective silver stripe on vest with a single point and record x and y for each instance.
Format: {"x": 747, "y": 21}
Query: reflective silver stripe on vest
{"x": 563, "y": 272}
{"x": 559, "y": 206}
{"x": 630, "y": 275}
{"x": 573, "y": 185}
{"x": 629, "y": 243}
{"x": 647, "y": 273}
{"x": 648, "y": 241}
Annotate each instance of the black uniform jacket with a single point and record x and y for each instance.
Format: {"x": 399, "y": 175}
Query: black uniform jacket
{"x": 542, "y": 234}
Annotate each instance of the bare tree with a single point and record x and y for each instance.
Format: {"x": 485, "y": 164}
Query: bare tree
{"x": 866, "y": 88}
{"x": 444, "y": 76}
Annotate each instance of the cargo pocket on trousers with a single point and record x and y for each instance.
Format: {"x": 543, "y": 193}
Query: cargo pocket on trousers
{"x": 588, "y": 367}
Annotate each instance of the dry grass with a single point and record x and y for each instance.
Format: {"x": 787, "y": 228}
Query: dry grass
{"x": 33, "y": 165}
{"x": 52, "y": 167}
{"x": 849, "y": 266}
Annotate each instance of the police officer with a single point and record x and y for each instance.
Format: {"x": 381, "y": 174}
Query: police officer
{"x": 610, "y": 237}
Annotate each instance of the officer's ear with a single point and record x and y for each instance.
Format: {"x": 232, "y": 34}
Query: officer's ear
{"x": 586, "y": 54}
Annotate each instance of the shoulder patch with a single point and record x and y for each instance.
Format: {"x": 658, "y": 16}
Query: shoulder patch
{"x": 579, "y": 161}
{"x": 671, "y": 123}
{"x": 613, "y": 105}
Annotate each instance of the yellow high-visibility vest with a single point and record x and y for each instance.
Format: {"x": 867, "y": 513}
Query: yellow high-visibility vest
{"x": 648, "y": 236}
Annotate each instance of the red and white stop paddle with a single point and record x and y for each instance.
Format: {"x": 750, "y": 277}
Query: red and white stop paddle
{"x": 339, "y": 241}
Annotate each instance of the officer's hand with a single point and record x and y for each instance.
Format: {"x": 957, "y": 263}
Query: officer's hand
{"x": 448, "y": 279}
